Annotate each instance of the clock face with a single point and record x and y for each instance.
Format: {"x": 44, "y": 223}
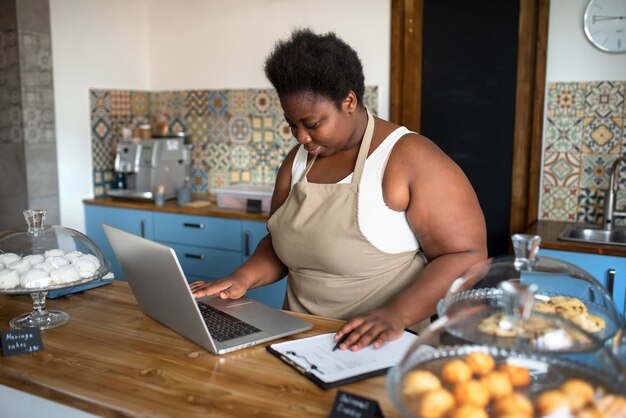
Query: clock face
{"x": 605, "y": 24}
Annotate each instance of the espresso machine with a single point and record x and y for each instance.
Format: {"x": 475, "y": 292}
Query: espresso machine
{"x": 152, "y": 164}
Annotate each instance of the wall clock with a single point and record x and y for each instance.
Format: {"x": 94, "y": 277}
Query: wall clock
{"x": 605, "y": 24}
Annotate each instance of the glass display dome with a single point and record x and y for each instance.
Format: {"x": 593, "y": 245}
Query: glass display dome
{"x": 532, "y": 285}
{"x": 41, "y": 258}
{"x": 560, "y": 371}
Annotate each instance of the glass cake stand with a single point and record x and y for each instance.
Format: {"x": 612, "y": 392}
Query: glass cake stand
{"x": 38, "y": 239}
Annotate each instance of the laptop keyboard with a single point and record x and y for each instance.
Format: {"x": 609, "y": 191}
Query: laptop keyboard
{"x": 222, "y": 326}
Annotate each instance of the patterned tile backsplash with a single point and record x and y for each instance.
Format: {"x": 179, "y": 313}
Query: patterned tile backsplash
{"x": 238, "y": 136}
{"x": 584, "y": 134}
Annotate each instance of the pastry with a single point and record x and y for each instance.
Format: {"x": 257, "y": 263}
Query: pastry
{"x": 469, "y": 411}
{"x": 56, "y": 261}
{"x": 73, "y": 255}
{"x": 492, "y": 326}
{"x": 8, "y": 258}
{"x": 456, "y": 371}
{"x": 480, "y": 363}
{"x": 54, "y": 253}
{"x": 512, "y": 404}
{"x": 567, "y": 307}
{"x": 590, "y": 412}
{"x": 612, "y": 406}
{"x": 64, "y": 274}
{"x": 497, "y": 384}
{"x": 579, "y": 393}
{"x": 46, "y": 266}
{"x": 86, "y": 265}
{"x": 34, "y": 259}
{"x": 551, "y": 400}
{"x": 20, "y": 266}
{"x": 9, "y": 279}
{"x": 519, "y": 376}
{"x": 589, "y": 322}
{"x": 436, "y": 404}
{"x": 471, "y": 392}
{"x": 418, "y": 382}
{"x": 35, "y": 278}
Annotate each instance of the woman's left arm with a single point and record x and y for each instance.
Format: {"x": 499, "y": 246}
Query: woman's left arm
{"x": 445, "y": 215}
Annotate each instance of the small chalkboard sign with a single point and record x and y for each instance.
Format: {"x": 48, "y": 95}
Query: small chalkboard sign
{"x": 348, "y": 405}
{"x": 21, "y": 341}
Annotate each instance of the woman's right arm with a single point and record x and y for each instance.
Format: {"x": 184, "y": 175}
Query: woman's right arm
{"x": 263, "y": 267}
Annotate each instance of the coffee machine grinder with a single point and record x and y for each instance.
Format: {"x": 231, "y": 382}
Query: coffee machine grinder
{"x": 151, "y": 164}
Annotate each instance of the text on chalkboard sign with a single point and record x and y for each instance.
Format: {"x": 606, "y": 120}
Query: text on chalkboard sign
{"x": 21, "y": 341}
{"x": 349, "y": 405}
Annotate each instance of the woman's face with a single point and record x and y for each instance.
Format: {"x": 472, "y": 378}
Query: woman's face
{"x": 318, "y": 124}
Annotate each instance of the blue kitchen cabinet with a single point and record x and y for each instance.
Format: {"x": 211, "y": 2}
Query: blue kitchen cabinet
{"x": 138, "y": 222}
{"x": 207, "y": 248}
{"x": 274, "y": 294}
{"x": 610, "y": 271}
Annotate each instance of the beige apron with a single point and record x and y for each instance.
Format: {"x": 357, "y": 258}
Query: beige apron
{"x": 334, "y": 271}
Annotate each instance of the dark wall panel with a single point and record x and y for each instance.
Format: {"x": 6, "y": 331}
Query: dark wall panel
{"x": 468, "y": 97}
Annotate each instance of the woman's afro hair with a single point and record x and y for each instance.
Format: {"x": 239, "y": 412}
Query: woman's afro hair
{"x": 320, "y": 64}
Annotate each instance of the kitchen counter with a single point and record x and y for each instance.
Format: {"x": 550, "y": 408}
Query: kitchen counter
{"x": 550, "y": 230}
{"x": 171, "y": 207}
{"x": 114, "y": 361}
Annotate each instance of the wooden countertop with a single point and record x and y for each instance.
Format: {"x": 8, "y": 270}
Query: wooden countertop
{"x": 550, "y": 230}
{"x": 114, "y": 361}
{"x": 171, "y": 207}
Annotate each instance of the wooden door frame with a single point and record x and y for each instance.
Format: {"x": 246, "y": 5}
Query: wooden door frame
{"x": 405, "y": 94}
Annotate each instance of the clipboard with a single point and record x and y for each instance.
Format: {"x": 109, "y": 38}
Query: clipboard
{"x": 314, "y": 358}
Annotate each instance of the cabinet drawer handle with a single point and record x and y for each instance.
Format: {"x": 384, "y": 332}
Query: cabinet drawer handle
{"x": 610, "y": 283}
{"x": 195, "y": 256}
{"x": 142, "y": 227}
{"x": 191, "y": 225}
{"x": 246, "y": 241}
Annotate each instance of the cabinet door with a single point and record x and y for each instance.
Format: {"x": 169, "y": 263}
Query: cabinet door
{"x": 198, "y": 230}
{"x": 610, "y": 271}
{"x": 274, "y": 294}
{"x": 136, "y": 222}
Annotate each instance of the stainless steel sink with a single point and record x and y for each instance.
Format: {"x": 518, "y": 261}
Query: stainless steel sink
{"x": 593, "y": 234}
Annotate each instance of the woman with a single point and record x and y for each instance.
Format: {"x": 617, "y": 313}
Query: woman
{"x": 371, "y": 222}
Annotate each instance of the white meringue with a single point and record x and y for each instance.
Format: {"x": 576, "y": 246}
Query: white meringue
{"x": 8, "y": 258}
{"x": 86, "y": 266}
{"x": 57, "y": 262}
{"x": 73, "y": 255}
{"x": 20, "y": 266}
{"x": 34, "y": 259}
{"x": 65, "y": 274}
{"x": 54, "y": 253}
{"x": 35, "y": 278}
{"x": 9, "y": 279}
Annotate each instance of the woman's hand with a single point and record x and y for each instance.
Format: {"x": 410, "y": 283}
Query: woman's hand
{"x": 375, "y": 327}
{"x": 230, "y": 287}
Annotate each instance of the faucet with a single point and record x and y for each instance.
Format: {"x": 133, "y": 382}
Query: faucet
{"x": 609, "y": 202}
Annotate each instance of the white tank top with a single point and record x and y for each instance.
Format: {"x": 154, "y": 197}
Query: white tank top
{"x": 386, "y": 229}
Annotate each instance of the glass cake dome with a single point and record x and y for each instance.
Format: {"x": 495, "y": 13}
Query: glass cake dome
{"x": 551, "y": 286}
{"x": 41, "y": 258}
{"x": 557, "y": 371}
{"x": 522, "y": 336}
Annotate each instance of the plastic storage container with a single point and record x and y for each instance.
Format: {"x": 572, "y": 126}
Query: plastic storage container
{"x": 43, "y": 258}
{"x": 245, "y": 197}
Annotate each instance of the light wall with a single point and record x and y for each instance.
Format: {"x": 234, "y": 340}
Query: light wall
{"x": 184, "y": 44}
{"x": 571, "y": 57}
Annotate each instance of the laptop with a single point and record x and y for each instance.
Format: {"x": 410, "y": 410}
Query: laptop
{"x": 161, "y": 289}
